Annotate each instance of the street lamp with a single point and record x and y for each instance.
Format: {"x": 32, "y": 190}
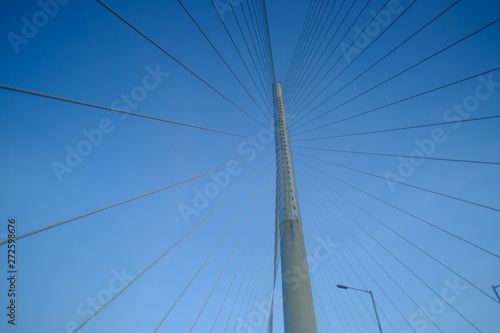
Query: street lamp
{"x": 343, "y": 286}
{"x": 495, "y": 290}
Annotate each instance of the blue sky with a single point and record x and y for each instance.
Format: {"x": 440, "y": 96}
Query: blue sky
{"x": 81, "y": 51}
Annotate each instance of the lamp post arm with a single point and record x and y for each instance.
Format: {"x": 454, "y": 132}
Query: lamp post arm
{"x": 365, "y": 291}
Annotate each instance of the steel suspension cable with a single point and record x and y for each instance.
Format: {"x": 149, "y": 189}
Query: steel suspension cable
{"x": 260, "y": 37}
{"x": 248, "y": 51}
{"x": 256, "y": 49}
{"x": 404, "y": 156}
{"x": 120, "y": 202}
{"x": 409, "y": 185}
{"x": 326, "y": 47}
{"x": 416, "y": 217}
{"x": 406, "y": 266}
{"x": 405, "y": 70}
{"x": 234, "y": 278}
{"x": 298, "y": 94}
{"x": 387, "y": 53}
{"x": 401, "y": 100}
{"x": 374, "y": 259}
{"x": 200, "y": 268}
{"x": 351, "y": 251}
{"x": 238, "y": 242}
{"x": 301, "y": 47}
{"x": 323, "y": 320}
{"x": 77, "y": 102}
{"x": 300, "y": 39}
{"x": 313, "y": 42}
{"x": 267, "y": 36}
{"x": 349, "y": 64}
{"x": 239, "y": 52}
{"x": 256, "y": 42}
{"x": 328, "y": 272}
{"x": 401, "y": 128}
{"x": 103, "y": 306}
{"x": 402, "y": 237}
{"x": 177, "y": 61}
{"x": 313, "y": 203}
{"x": 254, "y": 277}
{"x": 340, "y": 56}
{"x": 221, "y": 57}
{"x": 344, "y": 316}
{"x": 315, "y": 212}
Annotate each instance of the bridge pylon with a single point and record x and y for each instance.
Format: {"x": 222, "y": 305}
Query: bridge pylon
{"x": 298, "y": 307}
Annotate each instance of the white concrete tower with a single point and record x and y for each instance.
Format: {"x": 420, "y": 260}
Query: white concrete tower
{"x": 298, "y": 307}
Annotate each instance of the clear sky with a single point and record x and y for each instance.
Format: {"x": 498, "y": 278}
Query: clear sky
{"x": 429, "y": 251}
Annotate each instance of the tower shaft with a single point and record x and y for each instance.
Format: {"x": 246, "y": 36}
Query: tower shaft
{"x": 298, "y": 307}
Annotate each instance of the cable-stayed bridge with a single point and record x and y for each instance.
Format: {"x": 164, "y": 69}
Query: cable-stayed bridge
{"x": 140, "y": 176}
